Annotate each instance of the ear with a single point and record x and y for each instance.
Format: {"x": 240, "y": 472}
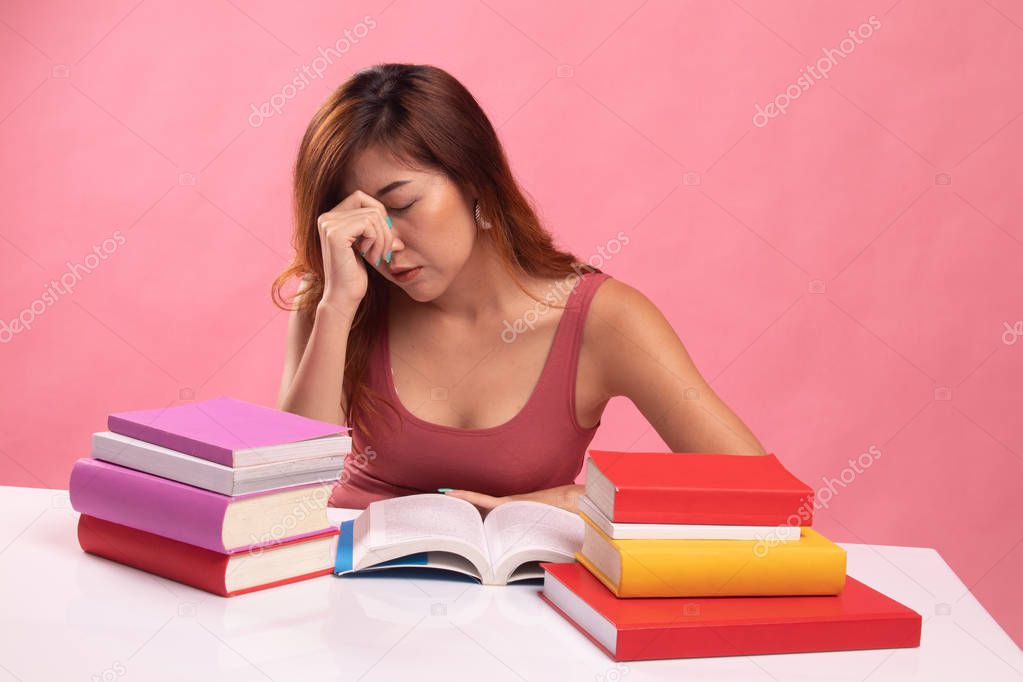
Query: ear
{"x": 470, "y": 193}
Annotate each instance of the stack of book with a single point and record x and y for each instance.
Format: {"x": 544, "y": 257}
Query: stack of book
{"x": 221, "y": 494}
{"x": 688, "y": 554}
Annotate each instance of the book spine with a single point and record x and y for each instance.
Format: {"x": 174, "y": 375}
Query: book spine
{"x": 150, "y": 503}
{"x": 173, "y": 441}
{"x": 777, "y": 571}
{"x": 734, "y": 507}
{"x": 747, "y": 639}
{"x": 201, "y": 568}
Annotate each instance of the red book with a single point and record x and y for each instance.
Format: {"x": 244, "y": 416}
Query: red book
{"x": 223, "y": 574}
{"x": 697, "y": 488}
{"x": 670, "y": 627}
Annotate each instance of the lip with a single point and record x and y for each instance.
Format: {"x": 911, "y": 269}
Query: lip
{"x": 407, "y": 274}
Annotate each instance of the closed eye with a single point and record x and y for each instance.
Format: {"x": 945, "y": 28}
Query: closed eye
{"x": 402, "y": 209}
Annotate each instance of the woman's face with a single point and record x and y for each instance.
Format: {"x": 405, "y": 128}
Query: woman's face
{"x": 432, "y": 221}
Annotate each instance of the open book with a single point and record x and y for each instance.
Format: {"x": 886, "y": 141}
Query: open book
{"x": 437, "y": 531}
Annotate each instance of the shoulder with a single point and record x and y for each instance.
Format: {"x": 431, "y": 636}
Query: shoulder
{"x": 614, "y": 301}
{"x": 626, "y": 335}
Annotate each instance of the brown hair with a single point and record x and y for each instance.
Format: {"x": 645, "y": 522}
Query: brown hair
{"x": 427, "y": 118}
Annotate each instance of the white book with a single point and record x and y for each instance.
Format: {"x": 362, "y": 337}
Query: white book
{"x": 202, "y": 473}
{"x": 432, "y": 530}
{"x": 681, "y": 531}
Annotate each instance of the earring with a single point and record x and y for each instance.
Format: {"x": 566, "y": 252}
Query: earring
{"x": 480, "y": 221}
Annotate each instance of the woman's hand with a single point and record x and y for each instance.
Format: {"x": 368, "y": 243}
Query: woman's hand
{"x": 565, "y": 497}
{"x": 359, "y": 222}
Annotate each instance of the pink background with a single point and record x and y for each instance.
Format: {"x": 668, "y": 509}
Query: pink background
{"x": 847, "y": 276}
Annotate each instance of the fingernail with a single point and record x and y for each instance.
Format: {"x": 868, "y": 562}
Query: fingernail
{"x": 389, "y": 221}
{"x": 388, "y": 257}
{"x": 444, "y": 490}
{"x": 378, "y": 260}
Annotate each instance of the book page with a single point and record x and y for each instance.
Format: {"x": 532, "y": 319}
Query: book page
{"x": 408, "y": 518}
{"x": 525, "y": 526}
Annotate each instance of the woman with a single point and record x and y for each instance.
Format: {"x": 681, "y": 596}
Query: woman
{"x": 437, "y": 319}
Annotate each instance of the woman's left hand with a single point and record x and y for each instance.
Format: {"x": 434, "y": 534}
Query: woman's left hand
{"x": 565, "y": 497}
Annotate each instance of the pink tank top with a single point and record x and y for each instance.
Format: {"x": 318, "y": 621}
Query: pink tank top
{"x": 542, "y": 446}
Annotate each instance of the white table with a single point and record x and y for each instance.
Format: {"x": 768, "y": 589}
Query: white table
{"x": 68, "y": 615}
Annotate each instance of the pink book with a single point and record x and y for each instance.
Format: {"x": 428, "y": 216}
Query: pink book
{"x": 222, "y": 523}
{"x": 233, "y": 432}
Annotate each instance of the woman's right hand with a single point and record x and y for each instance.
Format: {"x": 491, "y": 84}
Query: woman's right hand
{"x": 358, "y": 224}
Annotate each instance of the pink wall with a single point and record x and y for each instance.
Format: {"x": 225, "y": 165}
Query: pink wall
{"x": 846, "y": 273}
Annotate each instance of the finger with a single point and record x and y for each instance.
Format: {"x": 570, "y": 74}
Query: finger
{"x": 386, "y": 239}
{"x": 361, "y": 228}
{"x": 478, "y": 499}
{"x": 324, "y": 250}
{"x": 358, "y": 199}
{"x": 379, "y": 245}
{"x": 361, "y": 200}
{"x": 371, "y": 234}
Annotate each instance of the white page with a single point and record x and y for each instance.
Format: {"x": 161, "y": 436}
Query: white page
{"x": 415, "y": 517}
{"x": 524, "y": 525}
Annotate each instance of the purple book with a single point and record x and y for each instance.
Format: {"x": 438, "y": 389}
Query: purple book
{"x": 222, "y": 523}
{"x": 233, "y": 432}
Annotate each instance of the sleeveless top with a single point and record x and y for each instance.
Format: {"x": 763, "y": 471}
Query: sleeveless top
{"x": 543, "y": 446}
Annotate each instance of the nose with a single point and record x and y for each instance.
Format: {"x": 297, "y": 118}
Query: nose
{"x": 397, "y": 244}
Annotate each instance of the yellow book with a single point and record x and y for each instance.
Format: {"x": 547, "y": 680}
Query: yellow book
{"x": 811, "y": 565}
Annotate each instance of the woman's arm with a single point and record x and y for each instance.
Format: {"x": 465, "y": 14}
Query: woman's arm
{"x": 314, "y": 363}
{"x": 640, "y": 356}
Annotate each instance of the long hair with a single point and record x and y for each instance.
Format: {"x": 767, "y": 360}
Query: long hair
{"x": 427, "y": 118}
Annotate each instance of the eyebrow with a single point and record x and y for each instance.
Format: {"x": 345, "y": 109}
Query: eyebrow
{"x": 392, "y": 186}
